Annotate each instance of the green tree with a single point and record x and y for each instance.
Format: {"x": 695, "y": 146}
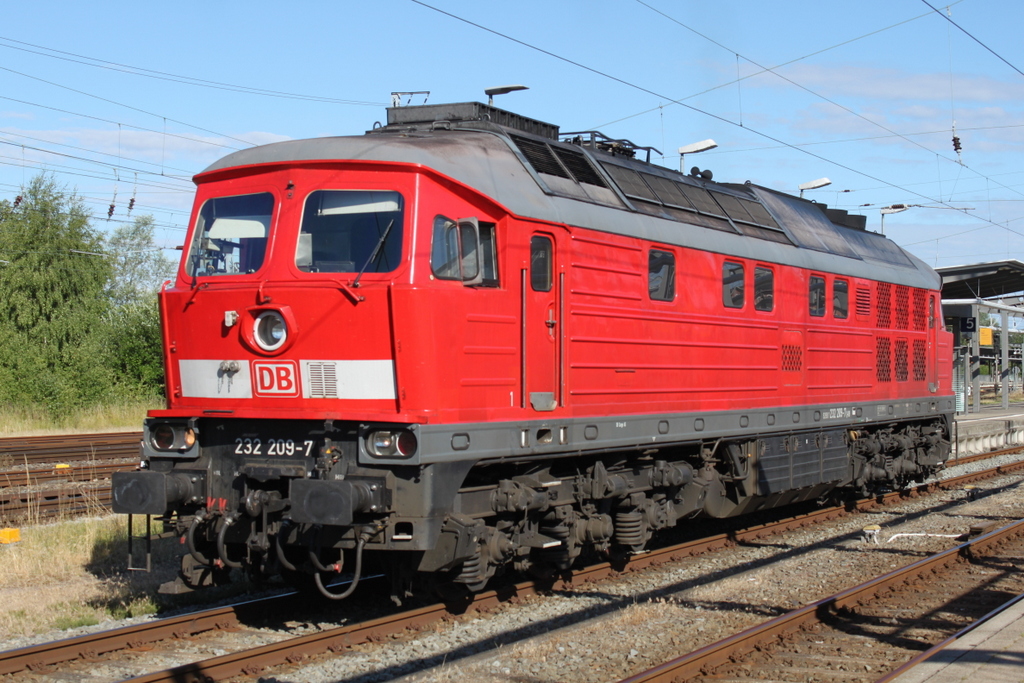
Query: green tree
{"x": 140, "y": 267}
{"x": 133, "y": 320}
{"x": 53, "y": 278}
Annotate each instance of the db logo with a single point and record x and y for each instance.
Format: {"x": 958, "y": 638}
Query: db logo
{"x": 277, "y": 378}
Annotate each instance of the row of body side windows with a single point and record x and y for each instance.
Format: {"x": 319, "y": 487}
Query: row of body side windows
{"x": 734, "y": 291}
{"x": 817, "y": 297}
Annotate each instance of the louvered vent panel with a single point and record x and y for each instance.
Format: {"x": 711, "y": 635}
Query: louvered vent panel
{"x": 883, "y": 357}
{"x": 919, "y": 360}
{"x": 902, "y": 365}
{"x": 579, "y": 166}
{"x": 540, "y": 157}
{"x": 902, "y": 307}
{"x": 323, "y": 380}
{"x": 883, "y": 305}
{"x": 863, "y": 301}
{"x": 920, "y": 310}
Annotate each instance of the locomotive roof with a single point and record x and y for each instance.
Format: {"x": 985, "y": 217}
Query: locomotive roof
{"x": 593, "y": 182}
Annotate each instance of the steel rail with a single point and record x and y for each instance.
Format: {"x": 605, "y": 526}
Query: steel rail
{"x": 92, "y": 645}
{"x": 706, "y": 659}
{"x": 939, "y": 647}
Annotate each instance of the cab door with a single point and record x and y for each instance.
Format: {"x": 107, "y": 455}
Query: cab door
{"x": 542, "y": 327}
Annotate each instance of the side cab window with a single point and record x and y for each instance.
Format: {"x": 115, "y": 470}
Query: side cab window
{"x": 465, "y": 250}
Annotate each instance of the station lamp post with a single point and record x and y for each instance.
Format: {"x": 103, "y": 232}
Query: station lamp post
{"x": 501, "y": 90}
{"x": 694, "y": 148}
{"x": 814, "y": 185}
{"x": 895, "y": 208}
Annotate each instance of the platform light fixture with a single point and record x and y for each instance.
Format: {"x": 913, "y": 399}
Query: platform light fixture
{"x": 895, "y": 208}
{"x": 501, "y": 90}
{"x": 814, "y": 185}
{"x": 694, "y": 148}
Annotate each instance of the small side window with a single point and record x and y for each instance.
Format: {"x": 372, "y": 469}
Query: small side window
{"x": 840, "y": 299}
{"x": 540, "y": 263}
{"x": 764, "y": 289}
{"x": 489, "y": 254}
{"x": 732, "y": 285}
{"x": 817, "y": 296}
{"x": 661, "y": 275}
{"x": 460, "y": 251}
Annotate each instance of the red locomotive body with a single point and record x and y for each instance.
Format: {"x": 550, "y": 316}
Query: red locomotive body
{"x": 460, "y": 343}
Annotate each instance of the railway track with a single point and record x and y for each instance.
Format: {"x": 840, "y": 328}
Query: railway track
{"x": 63, "y": 448}
{"x": 252, "y": 661}
{"x": 45, "y": 477}
{"x": 872, "y": 628}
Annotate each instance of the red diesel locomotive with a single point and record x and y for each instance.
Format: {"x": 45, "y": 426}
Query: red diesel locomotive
{"x": 463, "y": 342}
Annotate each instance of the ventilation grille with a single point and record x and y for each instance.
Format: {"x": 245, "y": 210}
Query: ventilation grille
{"x": 792, "y": 358}
{"x": 559, "y": 161}
{"x": 920, "y": 310}
{"x": 884, "y": 305}
{"x": 919, "y": 361}
{"x": 902, "y": 307}
{"x": 323, "y": 380}
{"x": 579, "y": 167}
{"x": 902, "y": 364}
{"x": 883, "y": 347}
{"x": 863, "y": 301}
{"x": 540, "y": 157}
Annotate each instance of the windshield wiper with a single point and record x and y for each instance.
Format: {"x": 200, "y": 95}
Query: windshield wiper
{"x": 376, "y": 250}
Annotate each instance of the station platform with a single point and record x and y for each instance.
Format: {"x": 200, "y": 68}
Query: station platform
{"x": 990, "y": 429}
{"x": 991, "y": 653}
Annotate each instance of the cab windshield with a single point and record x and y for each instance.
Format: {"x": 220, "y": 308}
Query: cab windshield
{"x": 350, "y": 231}
{"x": 231, "y": 235}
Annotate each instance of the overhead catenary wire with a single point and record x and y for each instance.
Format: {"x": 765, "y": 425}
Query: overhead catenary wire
{"x": 698, "y": 110}
{"x": 177, "y": 78}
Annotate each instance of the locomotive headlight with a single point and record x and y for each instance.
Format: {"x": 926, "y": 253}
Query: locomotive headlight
{"x": 162, "y": 437}
{"x": 391, "y": 443}
{"x": 167, "y": 436}
{"x": 270, "y": 330}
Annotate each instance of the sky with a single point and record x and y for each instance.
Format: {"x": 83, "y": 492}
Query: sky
{"x": 126, "y": 99}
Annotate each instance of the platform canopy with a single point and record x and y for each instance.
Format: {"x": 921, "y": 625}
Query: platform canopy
{"x": 983, "y": 280}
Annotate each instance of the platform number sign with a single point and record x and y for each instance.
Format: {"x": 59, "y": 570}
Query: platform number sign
{"x": 968, "y": 324}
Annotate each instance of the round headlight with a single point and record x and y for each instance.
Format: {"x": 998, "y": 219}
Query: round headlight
{"x": 162, "y": 437}
{"x": 391, "y": 444}
{"x": 270, "y": 331}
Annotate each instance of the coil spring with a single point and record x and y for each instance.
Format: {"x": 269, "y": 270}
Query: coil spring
{"x": 629, "y": 528}
{"x": 472, "y": 569}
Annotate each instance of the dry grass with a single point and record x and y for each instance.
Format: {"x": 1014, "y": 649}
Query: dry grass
{"x": 20, "y": 421}
{"x": 72, "y": 574}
